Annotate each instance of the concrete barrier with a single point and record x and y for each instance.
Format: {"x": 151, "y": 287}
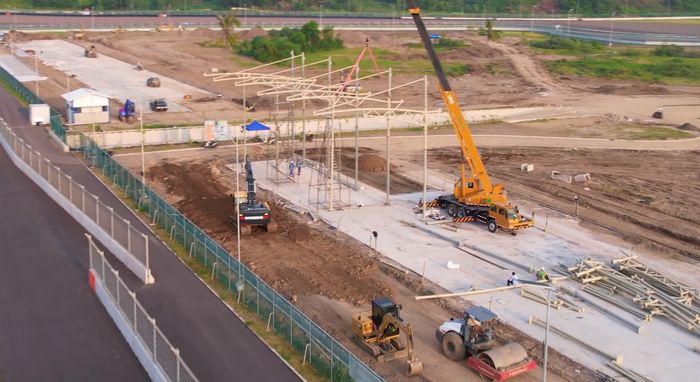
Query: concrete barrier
{"x": 139, "y": 269}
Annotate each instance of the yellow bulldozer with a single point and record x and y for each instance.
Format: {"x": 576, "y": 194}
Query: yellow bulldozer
{"x": 378, "y": 331}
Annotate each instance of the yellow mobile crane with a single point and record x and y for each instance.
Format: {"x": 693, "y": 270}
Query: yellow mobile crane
{"x": 475, "y": 198}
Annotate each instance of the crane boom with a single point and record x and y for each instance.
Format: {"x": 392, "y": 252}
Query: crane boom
{"x": 478, "y": 181}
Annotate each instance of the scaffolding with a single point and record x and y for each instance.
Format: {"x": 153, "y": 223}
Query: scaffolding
{"x": 329, "y": 187}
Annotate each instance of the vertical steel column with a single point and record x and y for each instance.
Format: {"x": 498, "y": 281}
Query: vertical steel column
{"x": 388, "y": 146}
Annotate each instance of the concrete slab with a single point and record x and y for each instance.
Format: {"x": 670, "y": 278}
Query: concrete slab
{"x": 662, "y": 352}
{"x": 20, "y": 71}
{"x": 113, "y": 77}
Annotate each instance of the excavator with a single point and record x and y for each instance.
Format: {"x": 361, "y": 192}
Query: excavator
{"x": 379, "y": 332}
{"x": 474, "y": 198}
{"x": 250, "y": 211}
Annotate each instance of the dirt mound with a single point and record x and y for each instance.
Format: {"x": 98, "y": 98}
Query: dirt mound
{"x": 371, "y": 162}
{"x": 689, "y": 127}
{"x": 631, "y": 90}
{"x": 352, "y": 38}
{"x": 252, "y": 33}
{"x": 204, "y": 32}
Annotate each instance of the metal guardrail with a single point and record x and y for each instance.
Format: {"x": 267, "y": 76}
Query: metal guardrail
{"x": 331, "y": 359}
{"x": 161, "y": 351}
{"x": 116, "y": 227}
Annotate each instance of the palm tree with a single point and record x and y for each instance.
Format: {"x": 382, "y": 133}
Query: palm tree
{"x": 227, "y": 23}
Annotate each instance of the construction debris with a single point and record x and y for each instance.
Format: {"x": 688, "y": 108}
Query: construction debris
{"x": 527, "y": 167}
{"x": 582, "y": 178}
{"x": 153, "y": 82}
{"x": 638, "y": 290}
{"x": 91, "y": 52}
{"x": 559, "y": 176}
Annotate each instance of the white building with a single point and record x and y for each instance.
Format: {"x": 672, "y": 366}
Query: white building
{"x": 86, "y": 106}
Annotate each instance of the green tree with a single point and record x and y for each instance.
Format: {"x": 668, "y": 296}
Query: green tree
{"x": 488, "y": 31}
{"x": 228, "y": 22}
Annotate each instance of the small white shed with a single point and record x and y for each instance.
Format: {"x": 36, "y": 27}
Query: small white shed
{"x": 39, "y": 113}
{"x": 85, "y": 106}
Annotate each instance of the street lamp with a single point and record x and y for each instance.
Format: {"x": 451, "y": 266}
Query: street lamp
{"x": 532, "y": 17}
{"x": 612, "y": 26}
{"x": 568, "y": 21}
{"x": 143, "y": 139}
{"x": 547, "y": 286}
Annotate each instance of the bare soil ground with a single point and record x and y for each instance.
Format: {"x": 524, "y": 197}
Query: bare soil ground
{"x": 327, "y": 274}
{"x": 647, "y": 197}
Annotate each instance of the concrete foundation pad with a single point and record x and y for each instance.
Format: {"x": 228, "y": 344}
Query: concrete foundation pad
{"x": 661, "y": 353}
{"x": 110, "y": 76}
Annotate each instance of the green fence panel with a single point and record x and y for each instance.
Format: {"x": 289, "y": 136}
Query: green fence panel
{"x": 324, "y": 353}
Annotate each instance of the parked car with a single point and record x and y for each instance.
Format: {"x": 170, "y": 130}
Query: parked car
{"x": 159, "y": 105}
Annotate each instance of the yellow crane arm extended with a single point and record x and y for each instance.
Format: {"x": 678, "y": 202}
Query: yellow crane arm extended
{"x": 476, "y": 188}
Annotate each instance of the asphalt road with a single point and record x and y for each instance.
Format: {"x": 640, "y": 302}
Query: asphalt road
{"x": 660, "y": 27}
{"x": 52, "y": 326}
{"x": 214, "y": 343}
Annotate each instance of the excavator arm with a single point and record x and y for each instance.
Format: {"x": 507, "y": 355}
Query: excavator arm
{"x": 475, "y": 186}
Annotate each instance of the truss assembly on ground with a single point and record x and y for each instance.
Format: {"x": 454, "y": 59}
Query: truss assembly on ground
{"x": 291, "y": 86}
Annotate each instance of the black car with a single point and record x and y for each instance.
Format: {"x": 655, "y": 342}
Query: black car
{"x": 159, "y": 105}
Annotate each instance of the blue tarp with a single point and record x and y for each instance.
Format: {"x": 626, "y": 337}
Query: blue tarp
{"x": 256, "y": 126}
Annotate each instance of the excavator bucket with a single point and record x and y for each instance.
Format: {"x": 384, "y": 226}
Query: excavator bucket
{"x": 415, "y": 367}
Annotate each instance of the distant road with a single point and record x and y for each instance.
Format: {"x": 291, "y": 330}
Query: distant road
{"x": 597, "y": 28}
{"x": 52, "y": 326}
{"x": 38, "y": 250}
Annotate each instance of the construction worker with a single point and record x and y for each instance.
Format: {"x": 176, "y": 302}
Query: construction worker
{"x": 512, "y": 280}
{"x": 299, "y": 164}
{"x": 291, "y": 169}
{"x": 474, "y": 329}
{"x": 542, "y": 275}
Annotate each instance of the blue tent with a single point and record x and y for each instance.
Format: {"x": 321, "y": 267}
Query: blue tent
{"x": 256, "y": 126}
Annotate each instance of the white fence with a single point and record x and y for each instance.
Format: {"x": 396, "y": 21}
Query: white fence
{"x": 176, "y": 135}
{"x": 158, "y": 356}
{"x": 116, "y": 233}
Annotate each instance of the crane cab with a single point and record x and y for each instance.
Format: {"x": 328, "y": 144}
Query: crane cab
{"x": 507, "y": 217}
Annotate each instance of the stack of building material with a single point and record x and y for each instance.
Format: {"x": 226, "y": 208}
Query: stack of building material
{"x": 639, "y": 290}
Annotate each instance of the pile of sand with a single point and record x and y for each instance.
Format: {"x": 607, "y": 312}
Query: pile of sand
{"x": 205, "y": 32}
{"x": 371, "y": 162}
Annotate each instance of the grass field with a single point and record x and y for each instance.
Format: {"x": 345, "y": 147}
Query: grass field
{"x": 385, "y": 59}
{"x": 677, "y": 66}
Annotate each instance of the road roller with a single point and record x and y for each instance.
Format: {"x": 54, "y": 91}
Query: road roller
{"x": 471, "y": 338}
{"x": 378, "y": 331}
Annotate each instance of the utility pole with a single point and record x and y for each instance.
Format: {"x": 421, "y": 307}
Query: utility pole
{"x": 568, "y": 21}
{"x": 612, "y": 26}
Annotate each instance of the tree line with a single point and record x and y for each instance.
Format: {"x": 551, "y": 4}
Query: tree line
{"x": 522, "y": 7}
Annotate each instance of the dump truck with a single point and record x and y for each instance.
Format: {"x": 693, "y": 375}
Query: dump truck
{"x": 379, "y": 331}
{"x": 474, "y": 198}
{"x": 470, "y": 338}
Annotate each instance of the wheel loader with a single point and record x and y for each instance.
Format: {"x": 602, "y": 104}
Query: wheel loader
{"x": 378, "y": 331}
{"x": 469, "y": 337}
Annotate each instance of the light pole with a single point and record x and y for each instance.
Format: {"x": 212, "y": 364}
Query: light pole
{"x": 143, "y": 138}
{"x": 546, "y": 335}
{"x": 532, "y": 18}
{"x": 568, "y": 21}
{"x": 320, "y": 16}
{"x": 612, "y": 26}
{"x": 92, "y": 18}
